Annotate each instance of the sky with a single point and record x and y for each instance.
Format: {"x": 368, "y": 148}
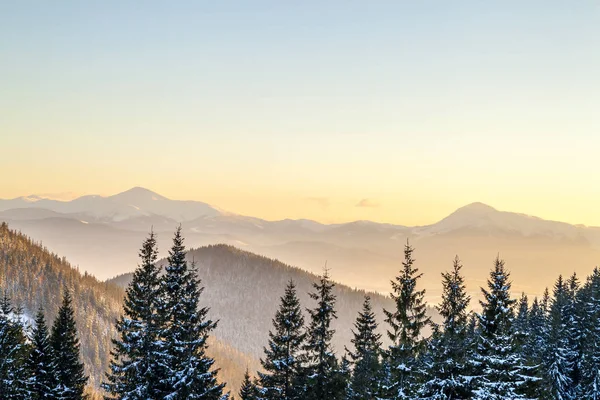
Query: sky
{"x": 392, "y": 111}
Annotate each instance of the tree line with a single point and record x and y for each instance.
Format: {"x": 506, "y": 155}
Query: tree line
{"x": 40, "y": 363}
{"x": 511, "y": 349}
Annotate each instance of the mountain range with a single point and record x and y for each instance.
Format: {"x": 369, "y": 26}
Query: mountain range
{"x": 100, "y": 234}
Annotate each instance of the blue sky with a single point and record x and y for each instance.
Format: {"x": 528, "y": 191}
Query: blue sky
{"x": 419, "y": 106}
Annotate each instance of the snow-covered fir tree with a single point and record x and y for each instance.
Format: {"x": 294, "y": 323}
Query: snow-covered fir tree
{"x": 65, "y": 346}
{"x": 574, "y": 332}
{"x": 364, "y": 381}
{"x": 248, "y": 390}
{"x": 136, "y": 369}
{"x": 281, "y": 379}
{"x": 322, "y": 373}
{"x": 521, "y": 322}
{"x": 406, "y": 323}
{"x": 42, "y": 383}
{"x": 190, "y": 372}
{"x": 502, "y": 371}
{"x": 561, "y": 354}
{"x": 448, "y": 375}
{"x": 13, "y": 353}
{"x": 589, "y": 300}
{"x": 344, "y": 376}
{"x": 537, "y": 332}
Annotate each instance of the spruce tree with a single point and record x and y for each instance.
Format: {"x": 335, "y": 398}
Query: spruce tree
{"x": 42, "y": 383}
{"x": 561, "y": 354}
{"x": 521, "y": 322}
{"x": 538, "y": 332}
{"x": 322, "y": 380}
{"x": 248, "y": 391}
{"x": 190, "y": 371}
{"x": 574, "y": 315}
{"x": 503, "y": 373}
{"x": 406, "y": 323}
{"x": 281, "y": 379}
{"x": 535, "y": 347}
{"x": 65, "y": 346}
{"x": 13, "y": 353}
{"x": 589, "y": 298}
{"x": 364, "y": 382}
{"x": 136, "y": 367}
{"x": 448, "y": 369}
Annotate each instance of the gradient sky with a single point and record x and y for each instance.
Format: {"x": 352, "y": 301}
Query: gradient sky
{"x": 396, "y": 111}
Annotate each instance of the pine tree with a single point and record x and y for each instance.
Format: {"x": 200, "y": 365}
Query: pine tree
{"x": 364, "y": 382}
{"x": 538, "y": 332}
{"x": 448, "y": 369}
{"x": 521, "y": 322}
{"x": 574, "y": 317}
{"x": 406, "y": 323}
{"x": 135, "y": 367}
{"x": 13, "y": 353}
{"x": 534, "y": 349}
{"x": 282, "y": 363}
{"x": 589, "y": 298}
{"x": 561, "y": 354}
{"x": 65, "y": 346}
{"x": 248, "y": 391}
{"x": 42, "y": 382}
{"x": 189, "y": 369}
{"x": 321, "y": 364}
{"x": 502, "y": 371}
{"x": 342, "y": 377}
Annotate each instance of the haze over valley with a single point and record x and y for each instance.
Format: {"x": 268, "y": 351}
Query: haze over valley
{"x": 309, "y": 200}
{"x": 98, "y": 234}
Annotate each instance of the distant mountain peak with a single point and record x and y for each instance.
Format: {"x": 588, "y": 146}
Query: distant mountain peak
{"x": 477, "y": 207}
{"x": 138, "y": 193}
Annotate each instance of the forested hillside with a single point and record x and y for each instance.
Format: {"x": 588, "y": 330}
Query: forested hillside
{"x": 34, "y": 277}
{"x": 243, "y": 289}
{"x": 232, "y": 278}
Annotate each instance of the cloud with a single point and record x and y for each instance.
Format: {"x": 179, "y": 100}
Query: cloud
{"x": 367, "y": 203}
{"x": 322, "y": 202}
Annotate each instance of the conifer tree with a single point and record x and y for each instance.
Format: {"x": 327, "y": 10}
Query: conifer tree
{"x": 538, "y": 332}
{"x": 13, "y": 353}
{"x": 136, "y": 367}
{"x": 502, "y": 371}
{"x": 448, "y": 369}
{"x": 561, "y": 355}
{"x": 282, "y": 363}
{"x": 248, "y": 391}
{"x": 42, "y": 384}
{"x": 589, "y": 298}
{"x": 190, "y": 373}
{"x": 65, "y": 346}
{"x": 343, "y": 376}
{"x": 574, "y": 329}
{"x": 406, "y": 323}
{"x": 472, "y": 333}
{"x": 521, "y": 322}
{"x": 364, "y": 382}
{"x": 322, "y": 380}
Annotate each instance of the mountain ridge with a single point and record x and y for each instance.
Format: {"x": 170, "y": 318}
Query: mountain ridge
{"x": 366, "y": 253}
{"x": 139, "y": 194}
